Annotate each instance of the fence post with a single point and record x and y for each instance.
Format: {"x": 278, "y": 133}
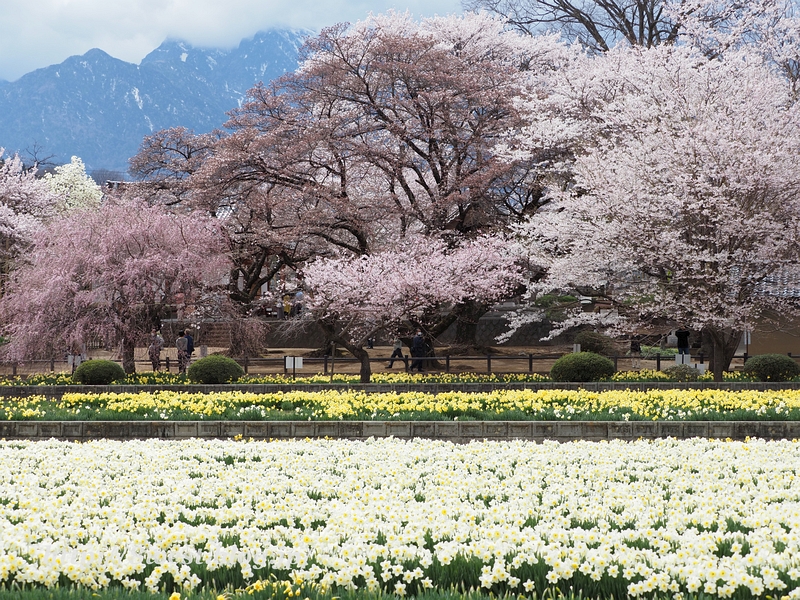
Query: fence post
{"x": 615, "y": 361}
{"x": 246, "y": 364}
{"x": 658, "y": 361}
{"x": 14, "y": 369}
{"x": 52, "y": 364}
{"x": 325, "y": 365}
{"x": 447, "y": 364}
{"x": 700, "y": 356}
{"x": 166, "y": 363}
{"x": 530, "y": 363}
{"x": 489, "y": 364}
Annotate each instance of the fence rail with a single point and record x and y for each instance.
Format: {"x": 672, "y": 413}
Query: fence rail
{"x": 329, "y": 365}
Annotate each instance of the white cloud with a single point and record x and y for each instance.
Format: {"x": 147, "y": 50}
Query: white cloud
{"x": 38, "y": 34}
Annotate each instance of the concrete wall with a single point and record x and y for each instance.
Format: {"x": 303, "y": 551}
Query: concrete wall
{"x": 458, "y": 432}
{"x": 775, "y": 342}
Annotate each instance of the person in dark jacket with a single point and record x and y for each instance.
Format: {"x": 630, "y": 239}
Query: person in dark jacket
{"x": 189, "y": 344}
{"x": 183, "y": 355}
{"x": 683, "y": 340}
{"x": 417, "y": 351}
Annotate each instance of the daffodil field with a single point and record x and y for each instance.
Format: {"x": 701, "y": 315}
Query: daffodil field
{"x": 323, "y": 519}
{"x": 652, "y": 404}
{"x": 610, "y": 519}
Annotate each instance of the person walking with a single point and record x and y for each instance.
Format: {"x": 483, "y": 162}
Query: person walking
{"x": 182, "y": 344}
{"x": 417, "y": 351}
{"x": 154, "y": 349}
{"x": 189, "y": 344}
{"x": 397, "y": 352}
{"x": 636, "y": 353}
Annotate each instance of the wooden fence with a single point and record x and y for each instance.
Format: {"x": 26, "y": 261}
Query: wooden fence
{"x": 329, "y": 365}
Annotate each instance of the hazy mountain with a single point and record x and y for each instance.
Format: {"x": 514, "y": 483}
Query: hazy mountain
{"x": 99, "y": 108}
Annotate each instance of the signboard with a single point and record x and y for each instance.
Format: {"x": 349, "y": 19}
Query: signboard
{"x": 294, "y": 362}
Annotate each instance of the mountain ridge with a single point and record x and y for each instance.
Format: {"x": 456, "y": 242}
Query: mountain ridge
{"x": 100, "y": 108}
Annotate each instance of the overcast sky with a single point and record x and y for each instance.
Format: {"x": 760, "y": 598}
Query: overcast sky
{"x": 38, "y": 33}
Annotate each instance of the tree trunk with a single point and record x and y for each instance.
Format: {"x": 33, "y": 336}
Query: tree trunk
{"x": 366, "y": 368}
{"x": 467, "y": 323}
{"x": 357, "y": 351}
{"x": 128, "y": 361}
{"x": 722, "y": 343}
{"x": 363, "y": 356}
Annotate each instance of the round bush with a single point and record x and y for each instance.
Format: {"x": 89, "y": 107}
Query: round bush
{"x": 98, "y": 372}
{"x": 772, "y": 367}
{"x": 682, "y": 373}
{"x": 581, "y": 366}
{"x": 215, "y": 369}
{"x": 591, "y": 341}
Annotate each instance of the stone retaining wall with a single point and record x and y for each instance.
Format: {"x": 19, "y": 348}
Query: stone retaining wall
{"x": 453, "y": 431}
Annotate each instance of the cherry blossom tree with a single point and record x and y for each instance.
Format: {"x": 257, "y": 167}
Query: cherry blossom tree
{"x": 768, "y": 28}
{"x": 73, "y": 186}
{"x": 388, "y": 129}
{"x": 356, "y": 298}
{"x": 107, "y": 273}
{"x": 597, "y": 24}
{"x": 685, "y": 206}
{"x": 25, "y": 202}
{"x": 166, "y": 161}
{"x": 387, "y": 117}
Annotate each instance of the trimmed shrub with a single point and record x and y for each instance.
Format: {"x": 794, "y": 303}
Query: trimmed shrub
{"x": 581, "y": 366}
{"x": 215, "y": 369}
{"x": 683, "y": 373}
{"x": 98, "y": 372}
{"x": 772, "y": 367}
{"x": 591, "y": 341}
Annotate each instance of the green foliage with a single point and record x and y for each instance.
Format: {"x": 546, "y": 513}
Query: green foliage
{"x": 650, "y": 352}
{"x": 215, "y": 369}
{"x": 275, "y": 590}
{"x": 581, "y": 366}
{"x": 591, "y": 341}
{"x": 682, "y": 373}
{"x": 772, "y": 367}
{"x": 548, "y": 300}
{"x": 98, "y": 372}
{"x": 554, "y": 305}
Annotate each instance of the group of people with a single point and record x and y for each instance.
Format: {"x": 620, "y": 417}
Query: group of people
{"x": 291, "y": 306}
{"x": 184, "y": 344}
{"x": 76, "y": 354}
{"x": 419, "y": 350}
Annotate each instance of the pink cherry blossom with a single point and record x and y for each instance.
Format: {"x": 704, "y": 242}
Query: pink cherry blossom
{"x": 107, "y": 274}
